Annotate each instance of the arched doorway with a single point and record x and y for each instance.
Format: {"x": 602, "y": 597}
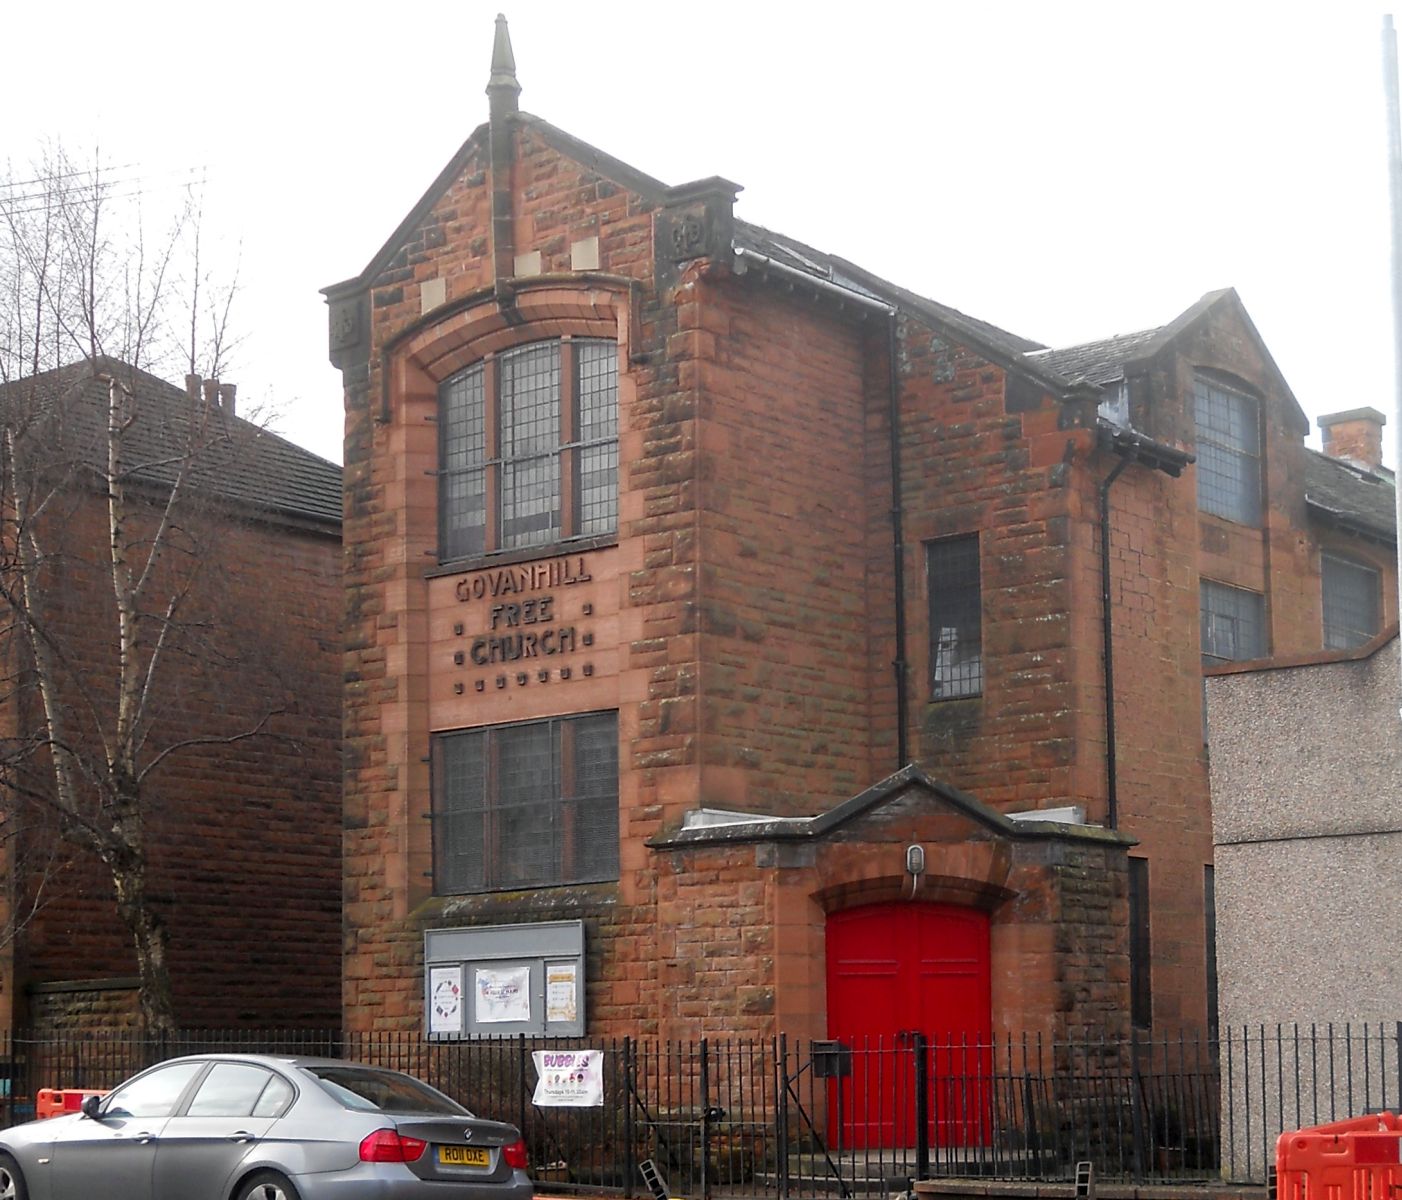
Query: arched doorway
{"x": 894, "y": 970}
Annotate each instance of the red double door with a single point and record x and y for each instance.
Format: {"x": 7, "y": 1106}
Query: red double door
{"x": 895, "y": 970}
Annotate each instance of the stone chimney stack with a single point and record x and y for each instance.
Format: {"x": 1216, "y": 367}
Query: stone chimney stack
{"x": 227, "y": 391}
{"x": 211, "y": 393}
{"x": 1355, "y": 436}
{"x": 192, "y": 388}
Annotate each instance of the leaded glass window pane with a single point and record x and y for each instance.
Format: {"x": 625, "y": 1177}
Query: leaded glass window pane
{"x": 511, "y": 495}
{"x": 593, "y": 821}
{"x": 1350, "y": 603}
{"x": 598, "y": 489}
{"x": 462, "y": 459}
{"x": 530, "y": 400}
{"x": 528, "y": 805}
{"x": 530, "y": 442}
{"x": 464, "y": 421}
{"x": 597, "y": 389}
{"x": 464, "y": 513}
{"x": 1228, "y": 452}
{"x": 1233, "y": 623}
{"x": 527, "y": 796}
{"x": 460, "y": 778}
{"x": 530, "y": 502}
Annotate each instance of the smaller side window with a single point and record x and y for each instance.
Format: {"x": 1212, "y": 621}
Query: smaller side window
{"x": 1228, "y": 451}
{"x": 956, "y": 618}
{"x": 1350, "y": 595}
{"x": 1233, "y": 623}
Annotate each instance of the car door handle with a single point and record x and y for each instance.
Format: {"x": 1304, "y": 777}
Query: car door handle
{"x": 143, "y": 1139}
{"x": 241, "y": 1136}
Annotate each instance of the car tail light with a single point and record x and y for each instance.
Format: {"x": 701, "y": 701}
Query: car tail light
{"x": 515, "y": 1155}
{"x": 389, "y": 1145}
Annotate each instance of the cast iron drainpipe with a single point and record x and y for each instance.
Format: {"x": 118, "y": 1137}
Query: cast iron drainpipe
{"x": 1132, "y": 448}
{"x": 1108, "y": 644}
{"x": 897, "y": 535}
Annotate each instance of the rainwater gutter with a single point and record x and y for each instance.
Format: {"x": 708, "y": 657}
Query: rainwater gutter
{"x": 746, "y": 260}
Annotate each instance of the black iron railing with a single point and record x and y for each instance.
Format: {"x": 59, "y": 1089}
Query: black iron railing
{"x": 791, "y": 1118}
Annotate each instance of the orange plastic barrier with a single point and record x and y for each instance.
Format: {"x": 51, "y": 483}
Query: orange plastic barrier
{"x": 55, "y": 1102}
{"x": 1357, "y": 1159}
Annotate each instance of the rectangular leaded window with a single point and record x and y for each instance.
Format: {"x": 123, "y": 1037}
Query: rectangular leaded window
{"x": 1228, "y": 451}
{"x": 463, "y": 454}
{"x": 956, "y": 618}
{"x": 529, "y": 395}
{"x": 528, "y": 448}
{"x": 1351, "y": 591}
{"x": 527, "y": 805}
{"x": 597, "y": 499}
{"x": 1233, "y": 623}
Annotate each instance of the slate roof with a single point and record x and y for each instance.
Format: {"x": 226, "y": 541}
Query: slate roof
{"x": 1003, "y": 346}
{"x": 1334, "y": 489}
{"x": 909, "y": 779}
{"x": 832, "y": 269}
{"x": 1357, "y": 499}
{"x": 235, "y": 459}
{"x": 1096, "y": 362}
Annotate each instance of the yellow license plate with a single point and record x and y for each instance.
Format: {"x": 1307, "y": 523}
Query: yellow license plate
{"x": 464, "y": 1156}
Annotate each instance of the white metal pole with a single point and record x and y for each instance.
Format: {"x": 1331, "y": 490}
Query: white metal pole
{"x": 1394, "y": 177}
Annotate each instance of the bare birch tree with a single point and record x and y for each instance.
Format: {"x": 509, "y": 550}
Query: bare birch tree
{"x": 94, "y": 309}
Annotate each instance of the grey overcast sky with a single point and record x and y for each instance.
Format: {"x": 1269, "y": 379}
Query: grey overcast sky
{"x": 1066, "y": 170}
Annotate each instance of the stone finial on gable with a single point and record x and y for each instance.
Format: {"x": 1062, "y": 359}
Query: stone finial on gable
{"x": 502, "y": 94}
{"x": 503, "y": 88}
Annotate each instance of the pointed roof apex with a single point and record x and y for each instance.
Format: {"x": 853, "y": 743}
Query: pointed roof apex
{"x": 503, "y": 82}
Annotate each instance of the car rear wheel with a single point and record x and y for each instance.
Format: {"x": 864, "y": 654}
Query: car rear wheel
{"x": 11, "y": 1181}
{"x": 266, "y": 1185}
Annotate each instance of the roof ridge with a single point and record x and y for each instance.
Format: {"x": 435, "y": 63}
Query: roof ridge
{"x": 75, "y": 367}
{"x": 271, "y": 473}
{"x": 1102, "y": 341}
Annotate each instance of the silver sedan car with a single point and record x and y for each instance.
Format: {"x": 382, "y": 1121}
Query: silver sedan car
{"x": 263, "y": 1127}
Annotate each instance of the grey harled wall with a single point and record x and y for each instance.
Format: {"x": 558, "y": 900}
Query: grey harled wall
{"x": 1306, "y": 769}
{"x": 1307, "y": 823}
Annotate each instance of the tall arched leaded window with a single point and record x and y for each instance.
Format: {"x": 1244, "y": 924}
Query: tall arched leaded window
{"x": 528, "y": 448}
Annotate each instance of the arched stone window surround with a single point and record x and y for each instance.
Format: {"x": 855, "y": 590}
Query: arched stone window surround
{"x": 427, "y": 354}
{"x": 440, "y": 346}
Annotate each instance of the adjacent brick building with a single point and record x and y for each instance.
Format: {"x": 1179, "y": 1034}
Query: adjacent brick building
{"x": 727, "y": 651}
{"x": 242, "y": 832}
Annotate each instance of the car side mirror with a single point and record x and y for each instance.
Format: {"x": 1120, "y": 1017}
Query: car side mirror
{"x": 91, "y": 1106}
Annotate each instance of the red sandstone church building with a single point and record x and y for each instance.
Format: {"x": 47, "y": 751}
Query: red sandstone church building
{"x": 740, "y": 643}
